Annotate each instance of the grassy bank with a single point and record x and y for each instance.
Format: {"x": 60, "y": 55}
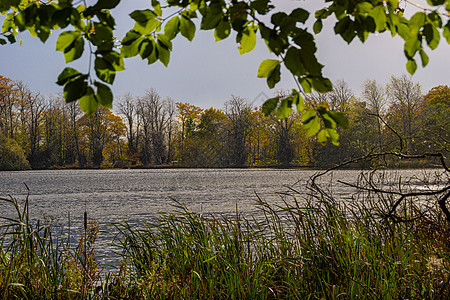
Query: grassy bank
{"x": 311, "y": 247}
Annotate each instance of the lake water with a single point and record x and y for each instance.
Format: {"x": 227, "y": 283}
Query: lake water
{"x": 138, "y": 195}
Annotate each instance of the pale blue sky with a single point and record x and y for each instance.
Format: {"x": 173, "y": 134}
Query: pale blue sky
{"x": 207, "y": 73}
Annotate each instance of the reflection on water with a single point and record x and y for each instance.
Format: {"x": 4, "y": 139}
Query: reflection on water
{"x": 138, "y": 195}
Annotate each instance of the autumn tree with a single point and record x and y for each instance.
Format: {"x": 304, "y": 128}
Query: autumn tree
{"x": 155, "y": 114}
{"x": 12, "y": 156}
{"x": 375, "y": 96}
{"x": 8, "y": 104}
{"x": 101, "y": 131}
{"x": 128, "y": 108}
{"x": 405, "y": 105}
{"x": 75, "y": 153}
{"x": 189, "y": 117}
{"x": 434, "y": 133}
{"x": 238, "y": 112}
{"x": 282, "y": 130}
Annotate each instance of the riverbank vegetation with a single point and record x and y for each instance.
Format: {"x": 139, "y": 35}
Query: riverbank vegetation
{"x": 311, "y": 247}
{"x": 150, "y": 130}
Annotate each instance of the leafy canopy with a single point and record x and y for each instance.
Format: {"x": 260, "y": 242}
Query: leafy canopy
{"x": 285, "y": 33}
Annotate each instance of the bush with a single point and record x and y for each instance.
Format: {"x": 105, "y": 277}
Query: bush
{"x": 12, "y": 156}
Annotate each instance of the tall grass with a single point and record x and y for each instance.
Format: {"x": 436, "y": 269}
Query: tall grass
{"x": 311, "y": 247}
{"x": 35, "y": 263}
{"x": 316, "y": 249}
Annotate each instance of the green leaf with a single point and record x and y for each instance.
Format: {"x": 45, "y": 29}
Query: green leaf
{"x": 66, "y": 75}
{"x": 103, "y": 33}
{"x": 321, "y": 84}
{"x": 323, "y": 136}
{"x": 300, "y": 15}
{"x": 106, "y": 4}
{"x": 2, "y": 42}
{"x": 247, "y": 40}
{"x": 293, "y": 61}
{"x": 75, "y": 50}
{"x": 130, "y": 37}
{"x": 274, "y": 77}
{"x": 364, "y": 8}
{"x": 115, "y": 59}
{"x": 132, "y": 49}
{"x": 87, "y": 102}
{"x": 11, "y": 38}
{"x": 424, "y": 58}
{"x": 378, "y": 14}
{"x": 412, "y": 45}
{"x": 146, "y": 48}
{"x": 284, "y": 110}
{"x": 267, "y": 67}
{"x": 411, "y": 66}
{"x": 298, "y": 100}
{"x": 143, "y": 16}
{"x": 261, "y": 6}
{"x": 172, "y": 28}
{"x": 270, "y": 105}
{"x": 334, "y": 136}
{"x": 187, "y": 28}
{"x": 222, "y": 30}
{"x": 104, "y": 95}
{"x": 446, "y": 32}
{"x": 157, "y": 7}
{"x": 345, "y": 28}
{"x": 102, "y": 37}
{"x": 66, "y": 39}
{"x": 416, "y": 22}
{"x": 164, "y": 41}
{"x": 163, "y": 54}
{"x": 318, "y": 26}
{"x": 211, "y": 19}
{"x": 312, "y": 126}
{"x": 75, "y": 89}
{"x": 308, "y": 115}
{"x": 436, "y": 2}
{"x": 104, "y": 70}
{"x": 432, "y": 35}
{"x": 323, "y": 13}
{"x": 278, "y": 18}
{"x": 153, "y": 57}
{"x": 339, "y": 118}
{"x": 306, "y": 84}
{"x": 148, "y": 27}
{"x": 8, "y": 23}
{"x": 327, "y": 119}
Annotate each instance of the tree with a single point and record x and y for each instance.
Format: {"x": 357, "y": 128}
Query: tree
{"x": 238, "y": 112}
{"x": 434, "y": 132}
{"x": 406, "y": 103}
{"x": 127, "y": 107}
{"x": 283, "y": 131}
{"x": 155, "y": 115}
{"x": 375, "y": 97}
{"x": 205, "y": 145}
{"x": 342, "y": 99}
{"x": 8, "y": 104}
{"x": 12, "y": 157}
{"x": 101, "y": 130}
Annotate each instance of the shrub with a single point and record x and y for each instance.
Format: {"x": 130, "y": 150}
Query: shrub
{"x": 12, "y": 156}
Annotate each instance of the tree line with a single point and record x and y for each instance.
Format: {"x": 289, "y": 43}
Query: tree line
{"x": 43, "y": 131}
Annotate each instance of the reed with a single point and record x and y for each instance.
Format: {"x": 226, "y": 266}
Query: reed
{"x": 36, "y": 263}
{"x": 310, "y": 247}
{"x": 314, "y": 249}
